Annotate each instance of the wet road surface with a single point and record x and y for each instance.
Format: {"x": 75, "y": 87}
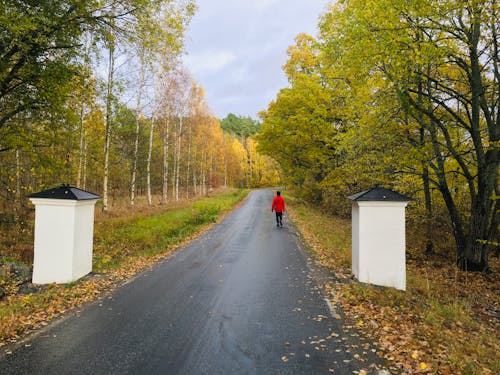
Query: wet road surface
{"x": 238, "y": 300}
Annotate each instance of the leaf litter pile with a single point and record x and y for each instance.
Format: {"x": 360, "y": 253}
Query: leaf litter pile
{"x": 445, "y": 323}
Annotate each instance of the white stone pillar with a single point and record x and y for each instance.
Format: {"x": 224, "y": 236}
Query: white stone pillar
{"x": 378, "y": 237}
{"x": 64, "y": 230}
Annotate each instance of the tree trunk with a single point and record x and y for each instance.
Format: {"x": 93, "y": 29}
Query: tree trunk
{"x": 84, "y": 176}
{"x": 204, "y": 174}
{"x": 138, "y": 114}
{"x": 174, "y": 156}
{"x": 109, "y": 97}
{"x": 18, "y": 195}
{"x": 429, "y": 246}
{"x": 484, "y": 218}
{"x": 440, "y": 171}
{"x": 225, "y": 160}
{"x": 150, "y": 154}
{"x": 165, "y": 160}
{"x": 195, "y": 180}
{"x": 81, "y": 146}
{"x": 250, "y": 162}
{"x": 178, "y": 165}
{"x": 210, "y": 170}
{"x": 225, "y": 173}
{"x": 188, "y": 160}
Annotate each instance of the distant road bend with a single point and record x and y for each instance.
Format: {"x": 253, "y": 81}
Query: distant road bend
{"x": 238, "y": 300}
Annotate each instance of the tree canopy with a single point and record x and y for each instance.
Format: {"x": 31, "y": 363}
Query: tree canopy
{"x": 242, "y": 126}
{"x": 401, "y": 94}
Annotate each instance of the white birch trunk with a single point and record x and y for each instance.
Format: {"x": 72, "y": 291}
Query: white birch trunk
{"x": 210, "y": 170}
{"x": 225, "y": 160}
{"x": 80, "y": 180}
{"x": 203, "y": 174}
{"x": 84, "y": 177}
{"x": 195, "y": 180}
{"x": 81, "y": 145}
{"x": 17, "y": 197}
{"x": 107, "y": 143}
{"x": 225, "y": 172}
{"x": 179, "y": 144}
{"x": 138, "y": 114}
{"x": 251, "y": 166}
{"x": 188, "y": 161}
{"x": 148, "y": 165}
{"x": 174, "y": 166}
{"x": 165, "y": 161}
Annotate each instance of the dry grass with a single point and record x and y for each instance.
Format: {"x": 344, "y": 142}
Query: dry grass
{"x": 445, "y": 323}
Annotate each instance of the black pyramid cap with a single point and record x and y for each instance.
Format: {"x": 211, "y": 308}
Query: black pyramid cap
{"x": 379, "y": 194}
{"x": 66, "y": 192}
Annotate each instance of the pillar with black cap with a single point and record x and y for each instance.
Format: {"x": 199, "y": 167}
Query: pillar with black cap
{"x": 64, "y": 232}
{"x": 378, "y": 237}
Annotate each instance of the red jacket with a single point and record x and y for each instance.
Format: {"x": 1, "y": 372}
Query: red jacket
{"x": 278, "y": 204}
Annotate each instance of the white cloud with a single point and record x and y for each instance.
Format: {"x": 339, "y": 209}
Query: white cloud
{"x": 264, "y": 4}
{"x": 237, "y": 48}
{"x": 209, "y": 61}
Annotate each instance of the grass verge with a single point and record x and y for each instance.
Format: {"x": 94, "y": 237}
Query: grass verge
{"x": 445, "y": 323}
{"x": 123, "y": 246}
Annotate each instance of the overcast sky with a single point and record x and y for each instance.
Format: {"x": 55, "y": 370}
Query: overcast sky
{"x": 236, "y": 49}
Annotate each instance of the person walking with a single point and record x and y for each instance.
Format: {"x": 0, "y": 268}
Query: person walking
{"x": 279, "y": 207}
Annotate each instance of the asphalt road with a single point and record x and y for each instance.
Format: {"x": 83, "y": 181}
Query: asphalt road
{"x": 238, "y": 300}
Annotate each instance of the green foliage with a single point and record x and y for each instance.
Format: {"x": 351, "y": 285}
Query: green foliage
{"x": 300, "y": 127}
{"x": 39, "y": 46}
{"x": 240, "y": 125}
{"x": 51, "y": 116}
{"x": 398, "y": 94}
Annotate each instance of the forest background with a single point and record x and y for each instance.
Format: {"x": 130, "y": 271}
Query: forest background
{"x": 94, "y": 94}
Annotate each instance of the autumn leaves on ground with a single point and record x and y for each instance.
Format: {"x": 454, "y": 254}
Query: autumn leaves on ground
{"x": 447, "y": 320}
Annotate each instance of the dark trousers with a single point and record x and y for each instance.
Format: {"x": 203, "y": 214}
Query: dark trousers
{"x": 279, "y": 217}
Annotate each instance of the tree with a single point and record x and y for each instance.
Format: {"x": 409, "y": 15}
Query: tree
{"x": 239, "y": 125}
{"x": 159, "y": 40}
{"x": 441, "y": 60}
{"x": 405, "y": 94}
{"x": 299, "y": 128}
{"x": 41, "y": 41}
{"x": 55, "y": 130}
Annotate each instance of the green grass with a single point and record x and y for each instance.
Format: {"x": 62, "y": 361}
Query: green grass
{"x": 117, "y": 239}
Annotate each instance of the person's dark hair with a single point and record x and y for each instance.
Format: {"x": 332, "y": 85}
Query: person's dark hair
{"x": 278, "y": 193}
